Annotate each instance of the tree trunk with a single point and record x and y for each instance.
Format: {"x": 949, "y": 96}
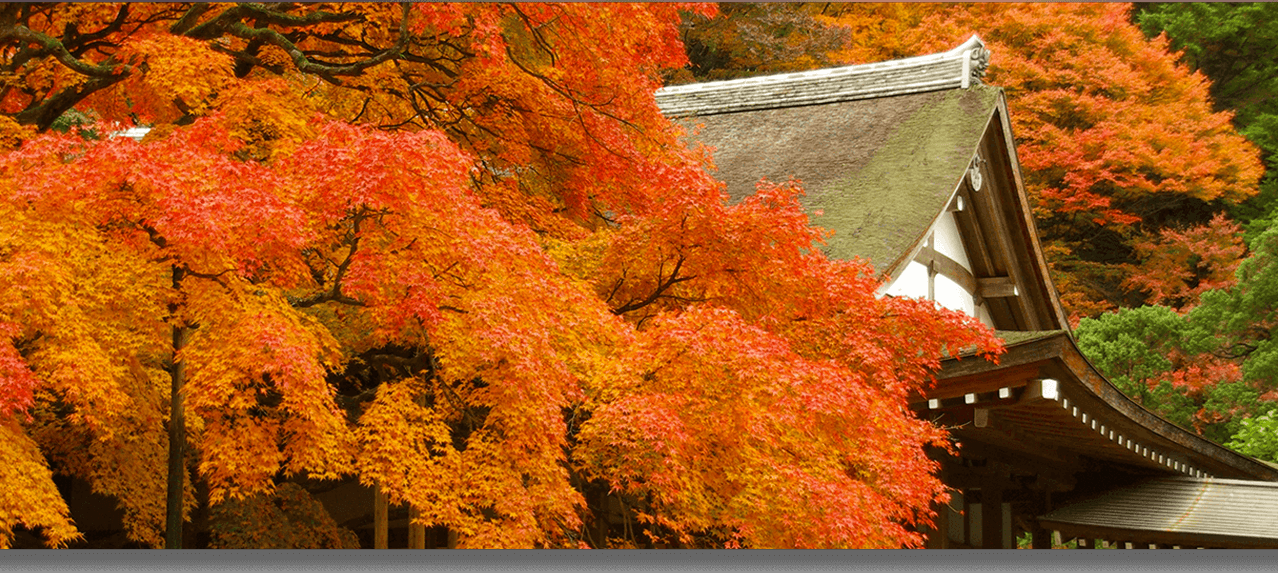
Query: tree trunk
{"x": 177, "y": 432}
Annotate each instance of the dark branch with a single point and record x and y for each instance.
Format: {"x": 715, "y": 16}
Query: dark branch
{"x": 663, "y": 285}
{"x": 335, "y": 294}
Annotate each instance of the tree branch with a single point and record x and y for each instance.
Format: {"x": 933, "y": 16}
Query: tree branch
{"x": 335, "y": 294}
{"x": 663, "y": 285}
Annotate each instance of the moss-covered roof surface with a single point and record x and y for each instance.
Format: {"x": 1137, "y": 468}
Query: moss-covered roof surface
{"x": 877, "y": 172}
{"x": 1014, "y": 337}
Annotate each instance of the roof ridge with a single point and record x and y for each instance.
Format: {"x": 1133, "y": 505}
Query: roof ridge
{"x": 959, "y": 67}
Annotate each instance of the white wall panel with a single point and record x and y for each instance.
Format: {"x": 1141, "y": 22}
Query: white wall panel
{"x": 912, "y": 282}
{"x": 952, "y": 296}
{"x": 949, "y": 242}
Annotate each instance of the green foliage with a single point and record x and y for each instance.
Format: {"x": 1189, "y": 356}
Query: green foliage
{"x": 1231, "y": 404}
{"x": 1172, "y": 365}
{"x": 1258, "y": 436}
{"x": 288, "y": 518}
{"x": 1177, "y": 406}
{"x": 74, "y": 118}
{"x": 1245, "y": 316}
{"x": 1233, "y": 45}
{"x": 1130, "y": 343}
{"x": 1132, "y": 347}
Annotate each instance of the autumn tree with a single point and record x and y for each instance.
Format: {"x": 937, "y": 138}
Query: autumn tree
{"x": 1175, "y": 370}
{"x": 750, "y": 38}
{"x": 450, "y": 250}
{"x": 1233, "y": 44}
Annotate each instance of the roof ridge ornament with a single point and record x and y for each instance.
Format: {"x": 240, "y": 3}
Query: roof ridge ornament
{"x": 976, "y": 60}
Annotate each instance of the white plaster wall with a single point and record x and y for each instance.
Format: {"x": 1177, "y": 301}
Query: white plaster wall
{"x": 952, "y": 296}
{"x": 983, "y": 313}
{"x": 949, "y": 242}
{"x": 912, "y": 282}
{"x": 944, "y": 237}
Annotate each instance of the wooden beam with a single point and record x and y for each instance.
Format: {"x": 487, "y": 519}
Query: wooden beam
{"x": 938, "y": 263}
{"x": 997, "y": 287}
{"x": 974, "y": 242}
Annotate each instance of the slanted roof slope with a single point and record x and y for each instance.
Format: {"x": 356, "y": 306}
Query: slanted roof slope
{"x": 1219, "y": 512}
{"x": 877, "y": 170}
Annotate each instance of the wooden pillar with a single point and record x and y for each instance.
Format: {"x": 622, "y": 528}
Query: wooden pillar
{"x": 992, "y": 526}
{"x": 1040, "y": 538}
{"x": 452, "y": 539}
{"x": 380, "y": 524}
{"x": 416, "y": 531}
{"x": 970, "y": 513}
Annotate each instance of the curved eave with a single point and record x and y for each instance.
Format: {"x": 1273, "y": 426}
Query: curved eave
{"x": 1083, "y": 415}
{"x": 1025, "y": 222}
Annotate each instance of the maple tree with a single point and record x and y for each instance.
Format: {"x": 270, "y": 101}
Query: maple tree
{"x": 1211, "y": 368}
{"x": 1165, "y": 363}
{"x": 450, "y": 250}
{"x": 1233, "y": 45}
{"x": 747, "y": 38}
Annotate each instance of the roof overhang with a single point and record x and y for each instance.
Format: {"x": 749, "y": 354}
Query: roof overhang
{"x": 1045, "y": 403}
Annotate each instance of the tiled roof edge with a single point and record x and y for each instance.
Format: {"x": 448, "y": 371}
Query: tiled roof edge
{"x": 847, "y": 83}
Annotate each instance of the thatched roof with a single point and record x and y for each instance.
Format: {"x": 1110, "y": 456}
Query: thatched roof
{"x": 877, "y": 169}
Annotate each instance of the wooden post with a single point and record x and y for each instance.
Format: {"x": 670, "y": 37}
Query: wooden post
{"x": 380, "y": 523}
{"x": 1040, "y": 538}
{"x": 416, "y": 531}
{"x": 992, "y": 517}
